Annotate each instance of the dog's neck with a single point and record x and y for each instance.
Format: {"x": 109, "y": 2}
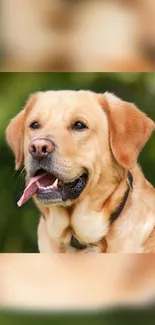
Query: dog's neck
{"x": 114, "y": 215}
{"x": 76, "y": 221}
{"x": 132, "y": 229}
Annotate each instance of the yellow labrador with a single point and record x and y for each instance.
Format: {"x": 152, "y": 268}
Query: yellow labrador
{"x": 80, "y": 153}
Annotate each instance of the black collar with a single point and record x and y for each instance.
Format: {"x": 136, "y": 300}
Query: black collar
{"x": 119, "y": 209}
{"x": 74, "y": 241}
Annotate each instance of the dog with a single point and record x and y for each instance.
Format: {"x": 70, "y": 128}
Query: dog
{"x": 80, "y": 153}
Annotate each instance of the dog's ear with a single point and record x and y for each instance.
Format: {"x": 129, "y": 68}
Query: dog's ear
{"x": 15, "y": 132}
{"x": 129, "y": 129}
{"x": 15, "y": 135}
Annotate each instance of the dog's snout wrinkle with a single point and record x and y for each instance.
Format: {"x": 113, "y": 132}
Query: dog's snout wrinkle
{"x": 39, "y": 148}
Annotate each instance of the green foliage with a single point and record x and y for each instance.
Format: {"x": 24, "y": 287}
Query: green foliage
{"x": 18, "y": 227}
{"x": 119, "y": 316}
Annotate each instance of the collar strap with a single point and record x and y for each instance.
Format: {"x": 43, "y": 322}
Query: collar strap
{"x": 76, "y": 244}
{"x": 74, "y": 241}
{"x": 119, "y": 209}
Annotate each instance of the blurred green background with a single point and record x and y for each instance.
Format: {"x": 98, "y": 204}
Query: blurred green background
{"x": 18, "y": 226}
{"x": 126, "y": 316}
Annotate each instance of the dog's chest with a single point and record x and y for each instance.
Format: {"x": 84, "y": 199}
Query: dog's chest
{"x": 86, "y": 225}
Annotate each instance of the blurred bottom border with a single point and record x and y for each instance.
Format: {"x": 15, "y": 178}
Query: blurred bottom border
{"x": 110, "y": 317}
{"x": 76, "y": 282}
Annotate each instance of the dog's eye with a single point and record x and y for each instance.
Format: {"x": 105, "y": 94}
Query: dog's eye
{"x": 79, "y": 126}
{"x": 34, "y": 125}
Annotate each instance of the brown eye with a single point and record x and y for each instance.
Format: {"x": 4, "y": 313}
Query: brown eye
{"x": 34, "y": 125}
{"x": 79, "y": 126}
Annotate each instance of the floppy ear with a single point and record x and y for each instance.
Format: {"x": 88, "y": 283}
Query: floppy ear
{"x": 15, "y": 133}
{"x": 129, "y": 129}
{"x": 15, "y": 137}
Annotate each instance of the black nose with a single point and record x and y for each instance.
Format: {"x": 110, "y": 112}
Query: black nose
{"x": 39, "y": 148}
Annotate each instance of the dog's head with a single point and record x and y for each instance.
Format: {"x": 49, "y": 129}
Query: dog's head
{"x": 70, "y": 141}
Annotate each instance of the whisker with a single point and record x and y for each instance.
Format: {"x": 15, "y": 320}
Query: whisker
{"x": 13, "y": 175}
{"x": 20, "y": 177}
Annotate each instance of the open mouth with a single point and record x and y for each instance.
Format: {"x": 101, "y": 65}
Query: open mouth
{"x": 49, "y": 189}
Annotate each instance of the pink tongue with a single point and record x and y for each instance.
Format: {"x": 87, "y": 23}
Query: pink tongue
{"x": 30, "y": 190}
